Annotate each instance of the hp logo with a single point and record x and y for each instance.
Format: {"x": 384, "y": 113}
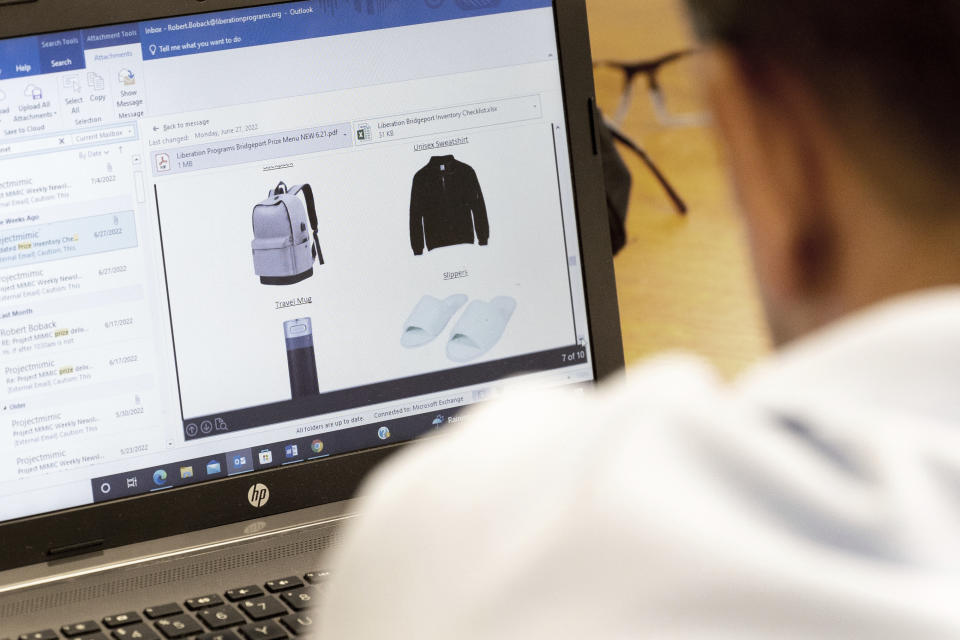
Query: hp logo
{"x": 258, "y": 496}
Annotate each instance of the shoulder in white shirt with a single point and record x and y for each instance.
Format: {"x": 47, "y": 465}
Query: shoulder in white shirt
{"x": 818, "y": 497}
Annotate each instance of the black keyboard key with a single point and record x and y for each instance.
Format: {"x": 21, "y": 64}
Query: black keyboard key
{"x": 46, "y": 634}
{"x": 122, "y": 619}
{"x": 96, "y": 635}
{"x": 219, "y": 635}
{"x": 283, "y": 584}
{"x": 268, "y": 630}
{"x": 300, "y": 624}
{"x": 299, "y": 599}
{"x": 136, "y": 631}
{"x": 203, "y": 602}
{"x": 179, "y": 626}
{"x": 317, "y": 577}
{"x": 252, "y": 591}
{"x": 79, "y": 628}
{"x": 163, "y": 610}
{"x": 221, "y": 617}
{"x": 263, "y": 608}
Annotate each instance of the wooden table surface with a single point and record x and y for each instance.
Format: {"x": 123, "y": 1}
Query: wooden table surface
{"x": 684, "y": 282}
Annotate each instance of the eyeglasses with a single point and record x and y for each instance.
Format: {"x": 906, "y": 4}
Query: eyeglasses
{"x": 624, "y": 77}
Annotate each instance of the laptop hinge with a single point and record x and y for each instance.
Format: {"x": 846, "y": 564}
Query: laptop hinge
{"x": 56, "y": 553}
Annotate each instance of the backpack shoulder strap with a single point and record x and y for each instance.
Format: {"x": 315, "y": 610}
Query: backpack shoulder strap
{"x": 312, "y": 213}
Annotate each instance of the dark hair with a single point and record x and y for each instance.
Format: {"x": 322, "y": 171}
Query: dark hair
{"x": 887, "y": 70}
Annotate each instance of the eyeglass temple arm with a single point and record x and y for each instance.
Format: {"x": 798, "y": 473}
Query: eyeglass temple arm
{"x": 645, "y": 66}
{"x": 678, "y": 202}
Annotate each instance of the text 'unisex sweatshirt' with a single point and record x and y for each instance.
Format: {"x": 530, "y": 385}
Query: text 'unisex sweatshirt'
{"x": 446, "y": 206}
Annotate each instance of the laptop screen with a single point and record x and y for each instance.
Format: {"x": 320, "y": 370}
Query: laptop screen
{"x": 254, "y": 238}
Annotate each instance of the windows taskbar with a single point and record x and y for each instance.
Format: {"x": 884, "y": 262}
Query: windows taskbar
{"x": 268, "y": 456}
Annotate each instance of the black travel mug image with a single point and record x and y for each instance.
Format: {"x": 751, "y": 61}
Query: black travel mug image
{"x": 301, "y": 360}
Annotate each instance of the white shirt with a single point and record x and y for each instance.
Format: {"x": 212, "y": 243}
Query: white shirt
{"x": 818, "y": 497}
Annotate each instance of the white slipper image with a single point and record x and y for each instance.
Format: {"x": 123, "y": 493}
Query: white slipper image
{"x": 428, "y": 319}
{"x": 480, "y": 327}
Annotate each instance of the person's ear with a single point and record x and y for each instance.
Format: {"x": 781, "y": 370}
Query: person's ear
{"x": 771, "y": 134}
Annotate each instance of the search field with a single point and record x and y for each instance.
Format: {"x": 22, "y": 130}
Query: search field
{"x": 124, "y": 133}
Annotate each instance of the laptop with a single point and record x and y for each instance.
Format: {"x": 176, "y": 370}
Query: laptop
{"x": 250, "y": 250}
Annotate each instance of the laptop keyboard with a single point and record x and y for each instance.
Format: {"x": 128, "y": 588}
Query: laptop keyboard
{"x": 276, "y": 610}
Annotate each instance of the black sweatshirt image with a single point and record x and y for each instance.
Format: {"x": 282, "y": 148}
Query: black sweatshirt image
{"x": 446, "y": 206}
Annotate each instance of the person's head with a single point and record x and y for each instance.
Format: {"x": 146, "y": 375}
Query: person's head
{"x": 841, "y": 122}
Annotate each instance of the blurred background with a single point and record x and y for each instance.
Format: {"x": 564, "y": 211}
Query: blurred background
{"x": 684, "y": 280}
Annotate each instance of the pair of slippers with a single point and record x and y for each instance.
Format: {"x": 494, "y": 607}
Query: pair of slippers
{"x": 477, "y": 331}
